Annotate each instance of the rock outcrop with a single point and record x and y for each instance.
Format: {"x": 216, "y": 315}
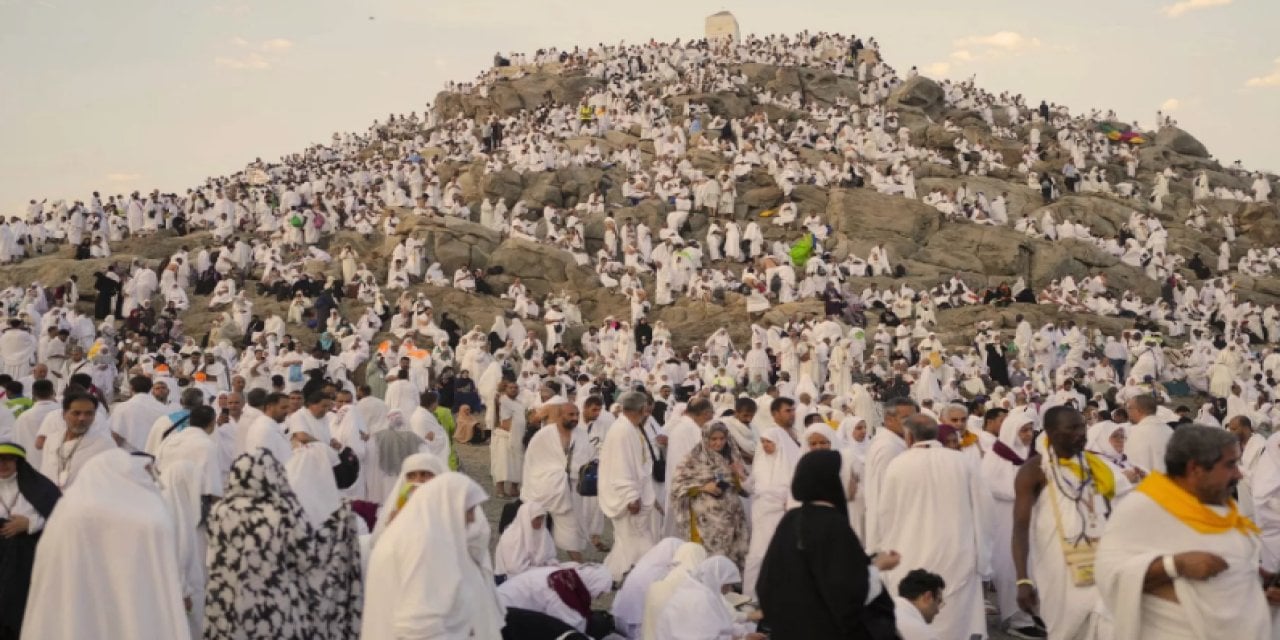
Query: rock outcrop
{"x": 916, "y": 235}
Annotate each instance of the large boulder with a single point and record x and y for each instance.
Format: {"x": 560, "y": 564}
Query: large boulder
{"x": 1181, "y": 142}
{"x": 542, "y": 268}
{"x": 921, "y": 93}
{"x": 723, "y": 103}
{"x": 1260, "y": 223}
{"x": 979, "y": 249}
{"x": 868, "y": 217}
{"x": 512, "y": 95}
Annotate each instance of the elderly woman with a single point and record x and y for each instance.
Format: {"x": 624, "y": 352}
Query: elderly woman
{"x": 1107, "y": 440}
{"x": 706, "y": 495}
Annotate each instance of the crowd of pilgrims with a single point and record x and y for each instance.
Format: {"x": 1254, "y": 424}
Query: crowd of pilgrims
{"x": 262, "y": 486}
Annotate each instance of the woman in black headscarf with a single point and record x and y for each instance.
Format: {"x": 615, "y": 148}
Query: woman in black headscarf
{"x": 26, "y": 500}
{"x": 997, "y": 365}
{"x": 816, "y": 580}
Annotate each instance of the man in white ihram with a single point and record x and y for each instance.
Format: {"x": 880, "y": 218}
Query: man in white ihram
{"x": 944, "y": 529}
{"x": 626, "y": 489}
{"x": 1178, "y": 561}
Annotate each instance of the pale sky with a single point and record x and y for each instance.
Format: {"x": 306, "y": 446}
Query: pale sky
{"x": 123, "y": 95}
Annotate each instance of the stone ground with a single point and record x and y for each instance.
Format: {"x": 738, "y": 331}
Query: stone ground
{"x": 474, "y": 461}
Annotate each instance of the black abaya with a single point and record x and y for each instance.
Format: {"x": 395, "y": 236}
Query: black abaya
{"x": 18, "y": 554}
{"x": 998, "y": 367}
{"x": 814, "y": 580}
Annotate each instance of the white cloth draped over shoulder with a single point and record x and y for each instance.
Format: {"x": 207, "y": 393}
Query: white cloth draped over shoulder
{"x": 1229, "y": 605}
{"x": 521, "y": 547}
{"x": 107, "y": 563}
{"x": 310, "y": 473}
{"x": 933, "y": 511}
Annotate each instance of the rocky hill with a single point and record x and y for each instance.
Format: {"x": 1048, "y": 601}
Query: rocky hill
{"x": 928, "y": 246}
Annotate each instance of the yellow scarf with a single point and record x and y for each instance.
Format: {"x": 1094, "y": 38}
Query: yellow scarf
{"x": 1103, "y": 478}
{"x": 1193, "y": 513}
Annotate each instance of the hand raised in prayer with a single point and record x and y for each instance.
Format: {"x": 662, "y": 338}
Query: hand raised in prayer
{"x": 1273, "y": 596}
{"x": 887, "y": 560}
{"x": 15, "y": 526}
{"x": 711, "y": 488}
{"x": 1199, "y": 565}
{"x": 633, "y": 507}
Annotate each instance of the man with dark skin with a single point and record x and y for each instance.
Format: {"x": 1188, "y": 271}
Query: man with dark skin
{"x": 1067, "y": 434}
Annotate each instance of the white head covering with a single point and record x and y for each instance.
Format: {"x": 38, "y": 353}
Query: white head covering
{"x": 1009, "y": 433}
{"x": 415, "y": 462}
{"x": 686, "y": 560}
{"x": 522, "y": 547}
{"x": 423, "y": 564}
{"x": 628, "y": 604}
{"x": 1100, "y": 442}
{"x": 821, "y": 429}
{"x": 697, "y": 607}
{"x": 116, "y": 499}
{"x": 311, "y": 476}
{"x": 775, "y": 470}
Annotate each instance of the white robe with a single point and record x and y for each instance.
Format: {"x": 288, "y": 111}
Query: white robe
{"x": 133, "y": 418}
{"x": 945, "y": 529}
{"x": 1148, "y": 440}
{"x": 885, "y": 446}
{"x": 1229, "y": 605}
{"x": 63, "y": 470}
{"x": 626, "y": 476}
{"x": 197, "y": 447}
{"x": 548, "y": 479}
{"x": 111, "y": 549}
{"x": 438, "y": 589}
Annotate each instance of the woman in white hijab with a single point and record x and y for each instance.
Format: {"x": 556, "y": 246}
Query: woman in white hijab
{"x": 525, "y": 544}
{"x": 853, "y": 435}
{"x": 999, "y": 470}
{"x": 1108, "y": 442}
{"x": 817, "y": 436}
{"x": 425, "y": 579}
{"x": 866, "y": 406}
{"x": 415, "y": 471}
{"x": 770, "y": 487}
{"x": 628, "y": 604}
{"x": 686, "y": 559}
{"x": 698, "y": 610}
